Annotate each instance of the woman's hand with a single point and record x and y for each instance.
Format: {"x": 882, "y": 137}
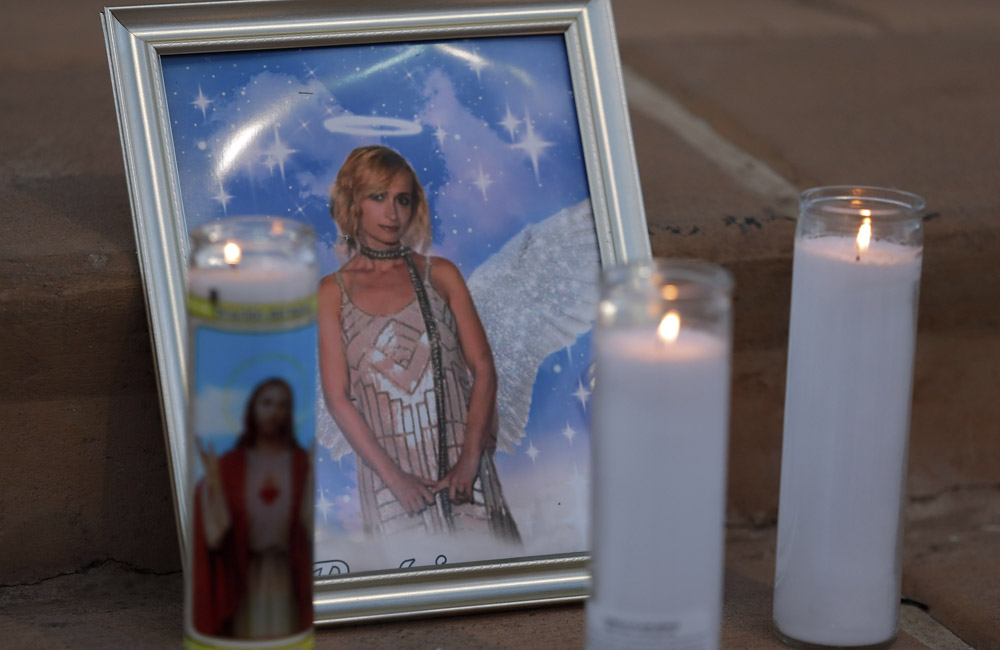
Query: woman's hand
{"x": 414, "y": 493}
{"x": 459, "y": 480}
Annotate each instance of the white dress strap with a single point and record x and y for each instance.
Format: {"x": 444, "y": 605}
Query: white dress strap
{"x": 344, "y": 296}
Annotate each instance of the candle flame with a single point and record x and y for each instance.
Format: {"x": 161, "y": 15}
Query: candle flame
{"x": 669, "y": 292}
{"x": 231, "y": 253}
{"x": 669, "y": 327}
{"x": 864, "y": 234}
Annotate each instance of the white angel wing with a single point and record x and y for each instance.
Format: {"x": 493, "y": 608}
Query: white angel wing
{"x": 535, "y": 296}
{"x": 328, "y": 434}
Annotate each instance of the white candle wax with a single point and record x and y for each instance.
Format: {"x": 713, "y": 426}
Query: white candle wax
{"x": 264, "y": 281}
{"x": 659, "y": 455}
{"x": 850, "y": 369}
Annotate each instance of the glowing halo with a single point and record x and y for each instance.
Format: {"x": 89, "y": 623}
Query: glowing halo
{"x": 371, "y": 125}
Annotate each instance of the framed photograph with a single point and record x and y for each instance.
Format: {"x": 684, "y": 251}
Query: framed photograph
{"x": 511, "y": 123}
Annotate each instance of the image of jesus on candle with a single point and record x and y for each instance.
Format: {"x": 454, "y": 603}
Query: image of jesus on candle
{"x": 253, "y": 526}
{"x": 407, "y": 371}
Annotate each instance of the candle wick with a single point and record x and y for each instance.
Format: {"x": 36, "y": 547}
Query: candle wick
{"x": 857, "y": 258}
{"x": 213, "y": 297}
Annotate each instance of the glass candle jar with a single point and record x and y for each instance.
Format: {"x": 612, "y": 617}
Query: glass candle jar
{"x": 252, "y": 394}
{"x": 662, "y": 349}
{"x": 855, "y": 281}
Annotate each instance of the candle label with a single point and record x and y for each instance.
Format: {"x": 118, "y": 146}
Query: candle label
{"x": 267, "y": 315}
{"x": 608, "y": 630}
{"x": 307, "y": 644}
{"x": 252, "y": 423}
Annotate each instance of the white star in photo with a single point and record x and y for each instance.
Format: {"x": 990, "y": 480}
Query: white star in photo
{"x": 440, "y": 134}
{"x": 483, "y": 182}
{"x": 581, "y": 393}
{"x": 223, "y": 198}
{"x": 532, "y": 452}
{"x": 201, "y": 102}
{"x": 278, "y": 154}
{"x": 324, "y": 506}
{"x": 532, "y": 144}
{"x": 569, "y": 433}
{"x": 510, "y": 123}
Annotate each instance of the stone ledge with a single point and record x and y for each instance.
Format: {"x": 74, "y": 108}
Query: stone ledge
{"x": 111, "y": 605}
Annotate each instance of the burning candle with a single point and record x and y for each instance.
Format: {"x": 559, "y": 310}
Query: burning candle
{"x": 249, "y": 272}
{"x": 855, "y": 282}
{"x": 660, "y": 421}
{"x": 252, "y": 382}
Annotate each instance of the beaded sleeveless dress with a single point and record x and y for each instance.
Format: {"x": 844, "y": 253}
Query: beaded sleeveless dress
{"x": 392, "y": 385}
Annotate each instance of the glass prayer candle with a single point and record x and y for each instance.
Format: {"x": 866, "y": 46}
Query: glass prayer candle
{"x": 252, "y": 395}
{"x": 855, "y": 281}
{"x": 660, "y": 430}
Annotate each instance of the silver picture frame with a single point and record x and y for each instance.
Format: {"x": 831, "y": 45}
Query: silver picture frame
{"x": 138, "y": 39}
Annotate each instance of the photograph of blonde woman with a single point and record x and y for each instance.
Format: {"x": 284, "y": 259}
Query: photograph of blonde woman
{"x": 459, "y": 255}
{"x": 407, "y": 370}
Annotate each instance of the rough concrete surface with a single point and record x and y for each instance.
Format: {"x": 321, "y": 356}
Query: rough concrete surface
{"x": 952, "y": 561}
{"x": 812, "y": 92}
{"x": 111, "y": 605}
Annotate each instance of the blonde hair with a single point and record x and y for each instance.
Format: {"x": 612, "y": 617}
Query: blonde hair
{"x": 366, "y": 171}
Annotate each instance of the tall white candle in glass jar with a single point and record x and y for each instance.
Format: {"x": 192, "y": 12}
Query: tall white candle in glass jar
{"x": 251, "y": 422}
{"x": 856, "y": 275}
{"x": 660, "y": 422}
{"x": 247, "y": 272}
